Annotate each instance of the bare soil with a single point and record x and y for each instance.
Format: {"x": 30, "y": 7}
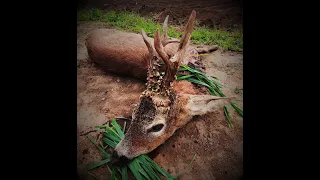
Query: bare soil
{"x": 219, "y": 149}
{"x": 212, "y": 13}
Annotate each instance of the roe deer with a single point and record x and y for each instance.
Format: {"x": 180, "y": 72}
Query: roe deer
{"x": 125, "y": 53}
{"x": 163, "y": 108}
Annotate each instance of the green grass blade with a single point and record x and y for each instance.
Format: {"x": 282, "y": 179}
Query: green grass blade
{"x": 157, "y": 167}
{"x": 105, "y": 156}
{"x": 181, "y": 77}
{"x": 100, "y": 148}
{"x": 227, "y": 115}
{"x": 109, "y": 142}
{"x": 147, "y": 167}
{"x": 239, "y": 111}
{"x": 112, "y": 135}
{"x": 113, "y": 175}
{"x": 140, "y": 169}
{"x": 134, "y": 169}
{"x": 188, "y": 166}
{"x": 191, "y": 69}
{"x": 211, "y": 90}
{"x": 182, "y": 69}
{"x": 117, "y": 128}
{"x": 197, "y": 82}
{"x": 219, "y": 92}
{"x": 97, "y": 164}
{"x": 206, "y": 78}
{"x": 214, "y": 77}
{"x": 124, "y": 173}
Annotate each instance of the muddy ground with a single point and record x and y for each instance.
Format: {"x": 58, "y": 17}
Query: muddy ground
{"x": 219, "y": 149}
{"x": 225, "y": 14}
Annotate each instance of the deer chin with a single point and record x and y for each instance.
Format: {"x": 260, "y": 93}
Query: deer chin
{"x": 124, "y": 150}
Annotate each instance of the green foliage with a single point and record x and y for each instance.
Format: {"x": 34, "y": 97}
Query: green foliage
{"x": 133, "y": 22}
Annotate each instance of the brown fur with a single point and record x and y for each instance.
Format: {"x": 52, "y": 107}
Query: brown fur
{"x": 127, "y": 55}
{"x": 166, "y": 105}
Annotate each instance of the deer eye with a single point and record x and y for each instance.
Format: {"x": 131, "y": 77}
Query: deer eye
{"x": 156, "y": 128}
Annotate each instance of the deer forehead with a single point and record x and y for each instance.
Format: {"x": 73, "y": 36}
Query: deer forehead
{"x": 151, "y": 109}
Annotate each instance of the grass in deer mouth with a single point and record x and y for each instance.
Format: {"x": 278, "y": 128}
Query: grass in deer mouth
{"x": 142, "y": 167}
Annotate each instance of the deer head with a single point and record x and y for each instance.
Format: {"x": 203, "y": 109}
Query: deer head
{"x": 162, "y": 110}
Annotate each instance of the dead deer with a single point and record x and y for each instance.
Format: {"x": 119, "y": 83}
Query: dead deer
{"x": 162, "y": 108}
{"x": 125, "y": 53}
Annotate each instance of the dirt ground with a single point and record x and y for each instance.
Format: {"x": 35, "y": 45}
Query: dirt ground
{"x": 213, "y": 13}
{"x": 102, "y": 96}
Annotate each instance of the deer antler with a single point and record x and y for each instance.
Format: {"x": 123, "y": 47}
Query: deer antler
{"x": 174, "y": 62}
{"x": 152, "y": 63}
{"x": 157, "y": 83}
{"x": 165, "y": 39}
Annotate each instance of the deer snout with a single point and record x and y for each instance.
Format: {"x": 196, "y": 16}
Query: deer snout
{"x": 117, "y": 160}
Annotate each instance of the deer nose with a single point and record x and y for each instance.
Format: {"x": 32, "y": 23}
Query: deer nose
{"x": 117, "y": 160}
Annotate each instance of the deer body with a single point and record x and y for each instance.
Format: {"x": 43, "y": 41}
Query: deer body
{"x": 163, "y": 107}
{"x": 125, "y": 53}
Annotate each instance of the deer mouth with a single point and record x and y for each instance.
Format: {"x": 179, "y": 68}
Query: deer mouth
{"x": 119, "y": 160}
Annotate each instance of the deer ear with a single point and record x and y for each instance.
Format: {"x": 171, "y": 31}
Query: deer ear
{"x": 202, "y": 104}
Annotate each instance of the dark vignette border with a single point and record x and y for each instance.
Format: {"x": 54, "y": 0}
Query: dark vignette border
{"x": 39, "y": 82}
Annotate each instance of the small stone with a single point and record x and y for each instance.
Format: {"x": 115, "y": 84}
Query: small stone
{"x": 103, "y": 99}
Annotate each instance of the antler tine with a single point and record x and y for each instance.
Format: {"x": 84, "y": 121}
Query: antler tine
{"x": 187, "y": 33}
{"x": 151, "y": 65}
{"x": 159, "y": 47}
{"x": 147, "y": 42}
{"x": 164, "y": 38}
{"x": 160, "y": 50}
{"x": 175, "y": 60}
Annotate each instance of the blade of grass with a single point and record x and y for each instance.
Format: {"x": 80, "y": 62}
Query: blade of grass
{"x": 227, "y": 115}
{"x": 147, "y": 167}
{"x": 111, "y": 171}
{"x": 113, "y": 175}
{"x": 101, "y": 149}
{"x": 112, "y": 131}
{"x": 191, "y": 69}
{"x": 182, "y": 69}
{"x": 97, "y": 164}
{"x": 112, "y": 135}
{"x": 109, "y": 142}
{"x": 197, "y": 82}
{"x": 188, "y": 166}
{"x": 117, "y": 128}
{"x": 211, "y": 90}
{"x": 157, "y": 167}
{"x": 124, "y": 173}
{"x": 134, "y": 170}
{"x": 140, "y": 169}
{"x": 184, "y": 77}
{"x": 239, "y": 111}
{"x": 211, "y": 80}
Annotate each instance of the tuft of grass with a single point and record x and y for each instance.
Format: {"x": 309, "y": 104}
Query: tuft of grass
{"x": 133, "y": 22}
{"x": 142, "y": 167}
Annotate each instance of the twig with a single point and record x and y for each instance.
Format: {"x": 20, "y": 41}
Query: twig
{"x": 85, "y": 133}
